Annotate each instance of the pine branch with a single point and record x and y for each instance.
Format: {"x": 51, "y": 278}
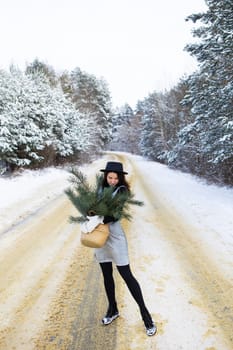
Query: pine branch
{"x": 90, "y": 200}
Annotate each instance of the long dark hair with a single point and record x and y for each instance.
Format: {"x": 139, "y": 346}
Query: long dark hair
{"x": 121, "y": 178}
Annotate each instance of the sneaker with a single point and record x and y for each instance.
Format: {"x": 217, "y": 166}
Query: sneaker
{"x": 150, "y": 326}
{"x": 111, "y": 314}
{"x": 151, "y": 330}
{"x": 108, "y": 319}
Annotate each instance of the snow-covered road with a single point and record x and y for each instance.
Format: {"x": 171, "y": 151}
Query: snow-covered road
{"x": 181, "y": 250}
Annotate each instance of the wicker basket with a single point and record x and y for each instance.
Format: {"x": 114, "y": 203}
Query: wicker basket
{"x": 96, "y": 238}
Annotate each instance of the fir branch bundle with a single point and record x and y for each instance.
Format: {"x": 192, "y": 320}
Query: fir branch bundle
{"x": 91, "y": 200}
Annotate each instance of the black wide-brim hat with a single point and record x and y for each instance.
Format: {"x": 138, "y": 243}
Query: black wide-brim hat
{"x": 114, "y": 167}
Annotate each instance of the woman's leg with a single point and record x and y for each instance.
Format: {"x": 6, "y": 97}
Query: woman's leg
{"x": 109, "y": 285}
{"x": 136, "y": 292}
{"x": 132, "y": 285}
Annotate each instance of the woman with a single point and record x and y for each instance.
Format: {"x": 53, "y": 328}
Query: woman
{"x": 116, "y": 251}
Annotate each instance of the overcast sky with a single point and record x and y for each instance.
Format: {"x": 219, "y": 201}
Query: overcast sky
{"x": 135, "y": 45}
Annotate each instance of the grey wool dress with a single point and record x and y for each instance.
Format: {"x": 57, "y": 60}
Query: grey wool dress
{"x": 116, "y": 248}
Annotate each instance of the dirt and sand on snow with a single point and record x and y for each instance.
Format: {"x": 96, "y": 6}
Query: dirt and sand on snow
{"x": 51, "y": 289}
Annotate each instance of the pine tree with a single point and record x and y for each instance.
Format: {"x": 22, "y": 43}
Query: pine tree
{"x": 38, "y": 124}
{"x": 40, "y": 67}
{"x": 21, "y": 135}
{"x": 211, "y": 90}
{"x": 154, "y": 137}
{"x": 92, "y": 100}
{"x": 126, "y": 130}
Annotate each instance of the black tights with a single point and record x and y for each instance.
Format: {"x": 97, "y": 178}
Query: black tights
{"x": 130, "y": 281}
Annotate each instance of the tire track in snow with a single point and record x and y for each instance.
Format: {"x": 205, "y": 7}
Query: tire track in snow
{"x": 33, "y": 261}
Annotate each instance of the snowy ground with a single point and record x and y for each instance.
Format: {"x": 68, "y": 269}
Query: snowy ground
{"x": 209, "y": 207}
{"x": 23, "y": 194}
{"x": 206, "y": 209}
